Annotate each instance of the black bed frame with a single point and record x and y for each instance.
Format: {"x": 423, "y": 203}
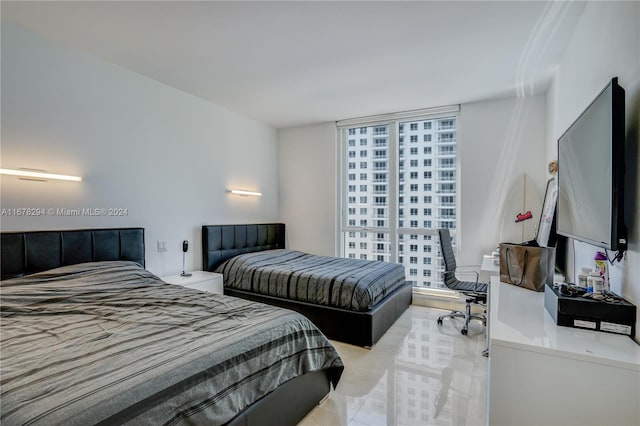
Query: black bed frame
{"x": 25, "y": 253}
{"x": 221, "y": 242}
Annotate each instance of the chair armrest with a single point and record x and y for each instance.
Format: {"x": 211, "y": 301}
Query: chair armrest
{"x": 471, "y": 273}
{"x": 474, "y": 270}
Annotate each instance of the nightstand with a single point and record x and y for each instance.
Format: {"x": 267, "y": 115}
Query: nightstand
{"x": 199, "y": 280}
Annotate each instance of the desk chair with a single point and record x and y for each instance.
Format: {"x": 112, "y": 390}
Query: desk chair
{"x": 473, "y": 291}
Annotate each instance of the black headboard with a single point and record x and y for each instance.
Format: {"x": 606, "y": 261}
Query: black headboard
{"x": 221, "y": 242}
{"x": 25, "y": 253}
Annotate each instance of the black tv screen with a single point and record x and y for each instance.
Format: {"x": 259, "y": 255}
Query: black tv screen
{"x": 591, "y": 173}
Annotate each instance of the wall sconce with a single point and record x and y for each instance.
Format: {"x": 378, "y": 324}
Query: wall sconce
{"x": 39, "y": 175}
{"x": 245, "y": 193}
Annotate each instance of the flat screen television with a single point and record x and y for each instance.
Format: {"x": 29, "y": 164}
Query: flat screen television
{"x": 591, "y": 173}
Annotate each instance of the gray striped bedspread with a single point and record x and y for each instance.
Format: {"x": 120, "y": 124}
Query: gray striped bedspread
{"x": 352, "y": 284}
{"x": 110, "y": 343}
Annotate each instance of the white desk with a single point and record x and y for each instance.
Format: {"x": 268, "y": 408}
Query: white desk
{"x": 490, "y": 267}
{"x": 542, "y": 374}
{"x": 490, "y": 263}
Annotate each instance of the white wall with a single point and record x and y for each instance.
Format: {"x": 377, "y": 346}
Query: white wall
{"x": 605, "y": 44}
{"x": 307, "y": 182}
{"x": 498, "y": 141}
{"x": 163, "y": 154}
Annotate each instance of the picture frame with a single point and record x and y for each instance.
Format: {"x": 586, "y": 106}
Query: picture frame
{"x": 546, "y": 227}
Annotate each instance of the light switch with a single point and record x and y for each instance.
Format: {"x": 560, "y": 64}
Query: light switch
{"x": 162, "y": 245}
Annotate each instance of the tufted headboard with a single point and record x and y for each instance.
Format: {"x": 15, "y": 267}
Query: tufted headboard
{"x": 221, "y": 242}
{"x": 25, "y": 253}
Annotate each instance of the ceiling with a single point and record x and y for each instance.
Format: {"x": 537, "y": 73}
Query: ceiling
{"x": 300, "y": 62}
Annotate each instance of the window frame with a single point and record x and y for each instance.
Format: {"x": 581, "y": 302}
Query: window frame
{"x": 392, "y": 229}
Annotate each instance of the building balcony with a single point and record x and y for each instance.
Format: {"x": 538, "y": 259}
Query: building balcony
{"x": 383, "y": 251}
{"x": 445, "y": 167}
{"x": 380, "y": 240}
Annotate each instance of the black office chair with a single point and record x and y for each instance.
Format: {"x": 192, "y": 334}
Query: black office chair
{"x": 474, "y": 291}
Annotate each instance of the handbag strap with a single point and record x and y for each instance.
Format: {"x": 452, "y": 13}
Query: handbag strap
{"x": 524, "y": 267}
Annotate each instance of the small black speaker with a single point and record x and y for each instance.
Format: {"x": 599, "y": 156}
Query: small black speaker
{"x": 185, "y": 246}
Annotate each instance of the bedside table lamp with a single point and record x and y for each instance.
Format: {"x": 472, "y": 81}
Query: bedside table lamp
{"x": 185, "y": 247}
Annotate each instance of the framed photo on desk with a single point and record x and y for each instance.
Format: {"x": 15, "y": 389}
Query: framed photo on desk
{"x": 546, "y": 228}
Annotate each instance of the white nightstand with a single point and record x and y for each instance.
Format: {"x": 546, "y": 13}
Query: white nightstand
{"x": 199, "y": 280}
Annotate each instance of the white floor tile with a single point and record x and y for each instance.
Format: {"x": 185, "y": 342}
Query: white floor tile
{"x": 419, "y": 373}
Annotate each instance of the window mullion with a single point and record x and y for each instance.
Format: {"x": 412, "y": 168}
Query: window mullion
{"x": 393, "y": 190}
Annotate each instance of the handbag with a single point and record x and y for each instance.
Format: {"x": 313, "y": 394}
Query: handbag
{"x": 527, "y": 266}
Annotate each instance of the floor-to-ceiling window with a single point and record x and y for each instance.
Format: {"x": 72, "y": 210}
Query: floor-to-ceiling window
{"x": 398, "y": 186}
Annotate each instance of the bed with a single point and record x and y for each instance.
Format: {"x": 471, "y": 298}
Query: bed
{"x": 341, "y": 313}
{"x": 91, "y": 337}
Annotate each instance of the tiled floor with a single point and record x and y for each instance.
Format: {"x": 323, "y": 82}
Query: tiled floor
{"x": 419, "y": 373}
